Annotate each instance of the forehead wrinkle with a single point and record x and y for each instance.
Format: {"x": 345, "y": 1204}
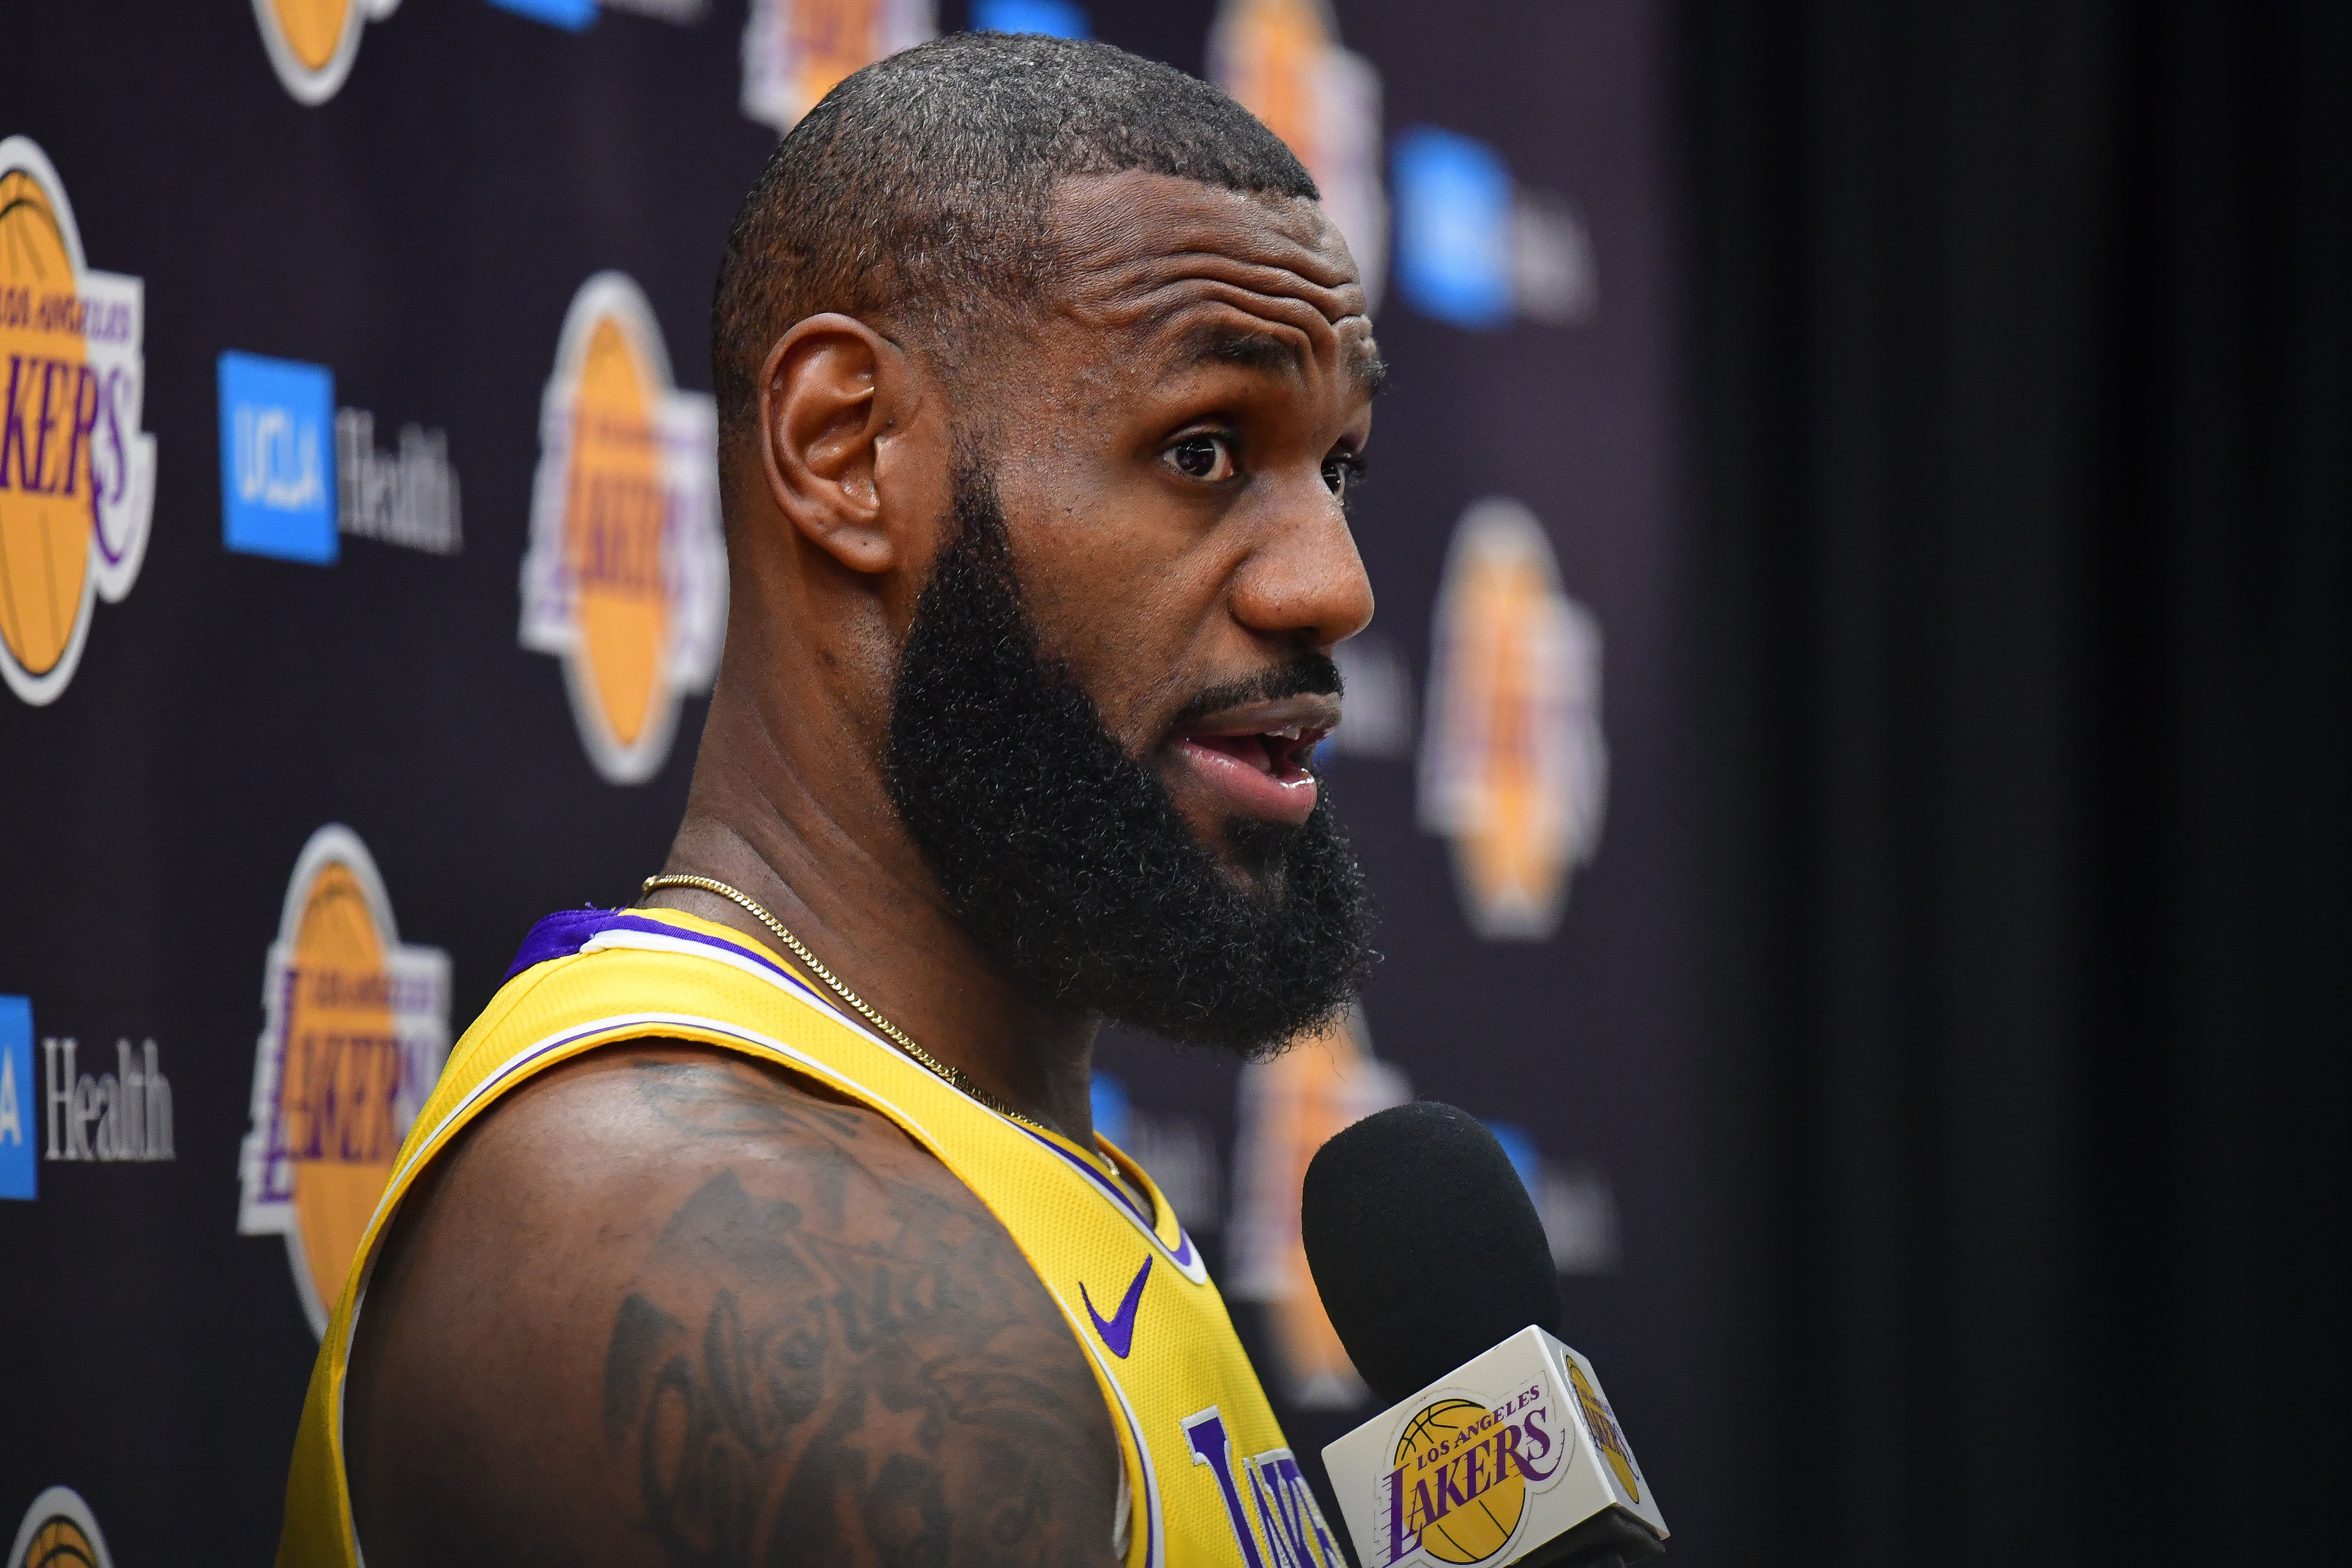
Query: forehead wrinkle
{"x": 1122, "y": 294}
{"x": 1226, "y": 323}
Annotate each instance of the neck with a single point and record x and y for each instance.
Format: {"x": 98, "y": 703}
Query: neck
{"x": 777, "y": 813}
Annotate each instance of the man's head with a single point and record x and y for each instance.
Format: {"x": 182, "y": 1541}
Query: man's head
{"x": 1042, "y": 376}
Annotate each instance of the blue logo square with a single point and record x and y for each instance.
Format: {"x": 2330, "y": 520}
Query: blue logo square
{"x": 1455, "y": 233}
{"x": 1055, "y": 18}
{"x": 572, "y": 15}
{"x": 278, "y": 459}
{"x": 20, "y": 1099}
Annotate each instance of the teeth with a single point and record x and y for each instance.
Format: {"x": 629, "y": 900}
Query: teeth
{"x": 1292, "y": 734}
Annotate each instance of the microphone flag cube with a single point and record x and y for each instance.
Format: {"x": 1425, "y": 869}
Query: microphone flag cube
{"x": 1513, "y": 1457}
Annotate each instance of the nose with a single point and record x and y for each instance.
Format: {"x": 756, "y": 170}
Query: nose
{"x": 1305, "y": 580}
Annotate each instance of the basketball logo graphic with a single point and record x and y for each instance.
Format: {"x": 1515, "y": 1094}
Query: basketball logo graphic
{"x": 77, "y": 474}
{"x": 312, "y": 43}
{"x": 1289, "y": 1107}
{"x": 1513, "y": 769}
{"x": 626, "y": 576}
{"x": 1607, "y": 1435}
{"x": 1281, "y": 60}
{"x": 796, "y": 52}
{"x": 356, "y": 1028}
{"x": 58, "y": 1533}
{"x": 1468, "y": 1488}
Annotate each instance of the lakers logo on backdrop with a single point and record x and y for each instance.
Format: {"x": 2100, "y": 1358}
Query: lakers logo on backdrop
{"x": 58, "y": 1531}
{"x": 1281, "y": 60}
{"x": 77, "y": 474}
{"x": 795, "y": 51}
{"x": 1290, "y": 1106}
{"x": 1513, "y": 769}
{"x": 355, "y": 1027}
{"x": 312, "y": 43}
{"x": 626, "y": 576}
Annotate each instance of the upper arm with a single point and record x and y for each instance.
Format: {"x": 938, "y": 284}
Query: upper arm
{"x": 669, "y": 1307}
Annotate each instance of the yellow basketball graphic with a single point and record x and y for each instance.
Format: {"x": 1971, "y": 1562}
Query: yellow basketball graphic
{"x": 626, "y": 578}
{"x": 613, "y": 528}
{"x": 1514, "y": 768}
{"x": 831, "y": 38}
{"x": 342, "y": 1073}
{"x": 76, "y": 473}
{"x": 1275, "y": 46}
{"x": 1443, "y": 1456}
{"x": 59, "y": 1544}
{"x": 355, "y": 1027}
{"x": 312, "y": 44}
{"x": 46, "y": 512}
{"x": 313, "y": 30}
{"x": 1601, "y": 1422}
{"x": 1282, "y": 60}
{"x": 796, "y": 52}
{"x": 58, "y": 1531}
{"x": 1505, "y": 851}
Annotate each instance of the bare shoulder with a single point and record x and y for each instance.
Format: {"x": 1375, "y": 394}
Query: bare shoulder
{"x": 668, "y": 1306}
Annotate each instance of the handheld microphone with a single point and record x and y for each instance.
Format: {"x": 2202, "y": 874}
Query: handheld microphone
{"x": 1497, "y": 1446}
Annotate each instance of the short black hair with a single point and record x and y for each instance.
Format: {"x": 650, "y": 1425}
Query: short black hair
{"x": 915, "y": 193}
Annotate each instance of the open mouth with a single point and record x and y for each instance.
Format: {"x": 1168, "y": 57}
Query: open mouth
{"x": 1255, "y": 760}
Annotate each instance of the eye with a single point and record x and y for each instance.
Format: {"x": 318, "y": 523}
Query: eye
{"x": 1342, "y": 470}
{"x": 1206, "y": 457}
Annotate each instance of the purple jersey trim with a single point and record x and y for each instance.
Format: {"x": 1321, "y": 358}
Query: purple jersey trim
{"x": 565, "y": 932}
{"x": 1181, "y": 1254}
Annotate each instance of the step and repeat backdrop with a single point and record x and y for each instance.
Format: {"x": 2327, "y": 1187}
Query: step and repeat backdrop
{"x": 323, "y": 682}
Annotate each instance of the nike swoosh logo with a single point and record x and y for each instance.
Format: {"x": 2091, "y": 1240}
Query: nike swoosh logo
{"x": 1118, "y": 1331}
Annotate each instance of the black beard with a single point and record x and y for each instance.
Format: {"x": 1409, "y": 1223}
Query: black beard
{"x": 1067, "y": 860}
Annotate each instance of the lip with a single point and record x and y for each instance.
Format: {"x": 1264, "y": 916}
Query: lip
{"x": 1253, "y": 758}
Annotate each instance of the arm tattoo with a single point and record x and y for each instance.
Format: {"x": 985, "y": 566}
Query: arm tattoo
{"x": 864, "y": 1369}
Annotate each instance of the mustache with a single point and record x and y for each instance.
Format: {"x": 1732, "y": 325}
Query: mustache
{"x": 1316, "y": 674}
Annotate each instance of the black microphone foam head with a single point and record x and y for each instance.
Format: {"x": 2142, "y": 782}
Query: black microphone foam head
{"x": 1424, "y": 1245}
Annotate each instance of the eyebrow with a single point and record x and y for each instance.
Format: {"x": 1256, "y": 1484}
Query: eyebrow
{"x": 1219, "y": 344}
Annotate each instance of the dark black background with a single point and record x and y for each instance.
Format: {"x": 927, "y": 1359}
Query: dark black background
{"x": 2021, "y": 383}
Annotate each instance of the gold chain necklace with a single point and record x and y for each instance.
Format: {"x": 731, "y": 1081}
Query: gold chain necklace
{"x": 863, "y": 1009}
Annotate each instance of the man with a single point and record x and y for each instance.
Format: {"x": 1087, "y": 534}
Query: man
{"x": 766, "y": 1223}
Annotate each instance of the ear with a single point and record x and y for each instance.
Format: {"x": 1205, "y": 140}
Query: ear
{"x": 834, "y": 395}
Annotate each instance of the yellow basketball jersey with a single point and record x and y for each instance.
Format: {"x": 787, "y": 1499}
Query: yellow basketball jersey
{"x": 1208, "y": 1476}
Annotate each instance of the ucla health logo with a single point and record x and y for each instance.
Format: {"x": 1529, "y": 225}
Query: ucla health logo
{"x": 795, "y": 51}
{"x": 1476, "y": 248}
{"x": 298, "y": 473}
{"x": 1281, "y": 60}
{"x": 59, "y": 1531}
{"x": 278, "y": 480}
{"x": 77, "y": 474}
{"x": 355, "y": 1027}
{"x": 626, "y": 576}
{"x": 19, "y": 1171}
{"x": 312, "y": 43}
{"x": 1513, "y": 769}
